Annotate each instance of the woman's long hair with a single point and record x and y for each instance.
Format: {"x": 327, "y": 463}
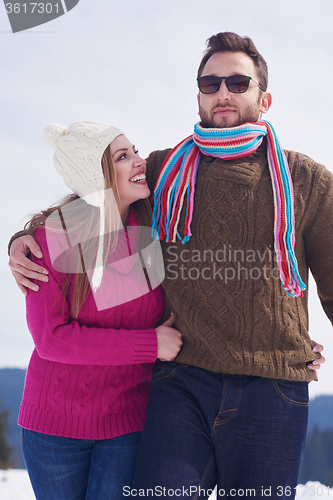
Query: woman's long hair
{"x": 83, "y": 219}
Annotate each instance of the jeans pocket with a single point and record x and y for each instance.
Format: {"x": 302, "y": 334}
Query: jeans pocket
{"x": 159, "y": 372}
{"x": 291, "y": 391}
{"x": 166, "y": 370}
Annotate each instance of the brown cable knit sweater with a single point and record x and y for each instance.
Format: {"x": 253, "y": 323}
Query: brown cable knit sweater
{"x": 223, "y": 286}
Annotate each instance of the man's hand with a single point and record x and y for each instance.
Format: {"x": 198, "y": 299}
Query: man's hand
{"x": 169, "y": 340}
{"x": 315, "y": 365}
{"x": 22, "y": 267}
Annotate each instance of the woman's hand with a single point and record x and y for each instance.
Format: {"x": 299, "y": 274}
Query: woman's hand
{"x": 22, "y": 267}
{"x": 169, "y": 340}
{"x": 315, "y": 365}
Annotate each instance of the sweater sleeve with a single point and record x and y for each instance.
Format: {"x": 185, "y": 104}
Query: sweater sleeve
{"x": 14, "y": 237}
{"x": 60, "y": 338}
{"x": 318, "y": 239}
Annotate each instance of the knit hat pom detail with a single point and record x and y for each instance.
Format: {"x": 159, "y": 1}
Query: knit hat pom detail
{"x": 52, "y": 134}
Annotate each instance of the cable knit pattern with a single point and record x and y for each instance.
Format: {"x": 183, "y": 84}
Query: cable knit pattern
{"x": 89, "y": 377}
{"x": 223, "y": 285}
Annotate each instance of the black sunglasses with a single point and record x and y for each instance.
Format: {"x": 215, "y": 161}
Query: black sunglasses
{"x": 237, "y": 84}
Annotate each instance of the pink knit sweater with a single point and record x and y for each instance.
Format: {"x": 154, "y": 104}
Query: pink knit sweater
{"x": 89, "y": 377}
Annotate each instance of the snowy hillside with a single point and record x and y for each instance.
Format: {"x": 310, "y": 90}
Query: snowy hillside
{"x": 15, "y": 485}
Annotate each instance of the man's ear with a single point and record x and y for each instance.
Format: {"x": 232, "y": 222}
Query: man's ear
{"x": 266, "y": 101}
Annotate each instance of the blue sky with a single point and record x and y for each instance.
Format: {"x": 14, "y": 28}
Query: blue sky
{"x": 133, "y": 64}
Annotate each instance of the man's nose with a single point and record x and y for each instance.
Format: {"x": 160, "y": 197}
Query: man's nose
{"x": 223, "y": 93}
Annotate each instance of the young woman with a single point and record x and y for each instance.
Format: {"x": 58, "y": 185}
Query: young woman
{"x": 94, "y": 323}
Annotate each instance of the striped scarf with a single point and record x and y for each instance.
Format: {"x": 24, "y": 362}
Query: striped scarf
{"x": 176, "y": 185}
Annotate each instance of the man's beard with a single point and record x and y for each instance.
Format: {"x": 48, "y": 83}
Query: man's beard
{"x": 250, "y": 114}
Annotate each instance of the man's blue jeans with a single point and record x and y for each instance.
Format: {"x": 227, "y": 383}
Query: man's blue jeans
{"x": 78, "y": 469}
{"x": 246, "y": 434}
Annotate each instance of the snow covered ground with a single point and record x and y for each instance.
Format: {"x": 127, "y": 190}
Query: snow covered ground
{"x": 15, "y": 485}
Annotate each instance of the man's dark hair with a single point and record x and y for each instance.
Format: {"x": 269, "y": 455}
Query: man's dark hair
{"x": 231, "y": 42}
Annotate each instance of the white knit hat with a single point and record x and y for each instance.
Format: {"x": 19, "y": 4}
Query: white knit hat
{"x": 78, "y": 154}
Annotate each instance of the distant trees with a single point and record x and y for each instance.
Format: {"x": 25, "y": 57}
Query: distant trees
{"x": 5, "y": 449}
{"x": 317, "y": 464}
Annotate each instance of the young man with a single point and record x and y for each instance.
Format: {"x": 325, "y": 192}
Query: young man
{"x": 238, "y": 239}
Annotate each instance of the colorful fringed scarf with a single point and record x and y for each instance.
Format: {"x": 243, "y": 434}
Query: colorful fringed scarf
{"x": 176, "y": 183}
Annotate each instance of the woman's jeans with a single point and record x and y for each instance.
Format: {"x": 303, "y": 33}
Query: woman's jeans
{"x": 246, "y": 434}
{"x": 78, "y": 469}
